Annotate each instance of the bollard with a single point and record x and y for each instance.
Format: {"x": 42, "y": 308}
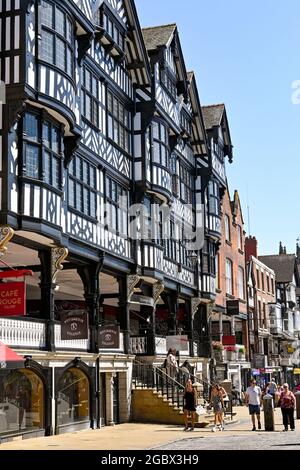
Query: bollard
{"x": 297, "y": 395}
{"x": 268, "y": 412}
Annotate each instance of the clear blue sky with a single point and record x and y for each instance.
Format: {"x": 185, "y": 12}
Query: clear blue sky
{"x": 246, "y": 54}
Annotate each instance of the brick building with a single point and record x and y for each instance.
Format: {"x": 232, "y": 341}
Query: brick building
{"x": 261, "y": 299}
{"x": 229, "y": 317}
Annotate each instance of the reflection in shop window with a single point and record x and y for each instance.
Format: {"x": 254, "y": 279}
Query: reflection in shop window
{"x": 21, "y": 401}
{"x": 73, "y": 404}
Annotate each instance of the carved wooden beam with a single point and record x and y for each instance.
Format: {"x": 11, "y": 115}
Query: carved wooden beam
{"x": 6, "y": 234}
{"x": 158, "y": 288}
{"x": 132, "y": 281}
{"x": 58, "y": 255}
{"x": 196, "y": 301}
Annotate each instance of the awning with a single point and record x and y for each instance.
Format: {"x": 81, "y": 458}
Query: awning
{"x": 9, "y": 359}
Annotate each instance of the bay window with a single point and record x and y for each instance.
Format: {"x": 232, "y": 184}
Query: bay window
{"x": 160, "y": 144}
{"x": 214, "y": 201}
{"x": 57, "y": 46}
{"x": 42, "y": 149}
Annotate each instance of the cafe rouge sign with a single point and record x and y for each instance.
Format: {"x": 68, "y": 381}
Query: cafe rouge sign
{"x": 74, "y": 325}
{"x": 12, "y": 299}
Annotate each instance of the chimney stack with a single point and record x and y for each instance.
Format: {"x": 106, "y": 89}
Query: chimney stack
{"x": 250, "y": 248}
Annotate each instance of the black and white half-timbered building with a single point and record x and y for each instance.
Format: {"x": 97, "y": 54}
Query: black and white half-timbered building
{"x": 105, "y": 165}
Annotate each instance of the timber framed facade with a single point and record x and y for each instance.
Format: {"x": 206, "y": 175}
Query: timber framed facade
{"x": 101, "y": 115}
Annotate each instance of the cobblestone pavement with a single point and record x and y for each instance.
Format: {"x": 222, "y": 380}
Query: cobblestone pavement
{"x": 239, "y": 437}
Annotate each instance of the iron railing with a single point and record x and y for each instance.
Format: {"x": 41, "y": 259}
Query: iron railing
{"x": 149, "y": 376}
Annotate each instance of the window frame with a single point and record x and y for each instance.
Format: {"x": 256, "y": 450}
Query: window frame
{"x": 241, "y": 283}
{"x": 58, "y": 36}
{"x": 186, "y": 186}
{"x": 240, "y": 238}
{"x": 229, "y": 264}
{"x": 213, "y": 196}
{"x": 94, "y": 100}
{"x": 39, "y": 143}
{"x": 168, "y": 81}
{"x": 116, "y": 122}
{"x": 115, "y": 203}
{"x": 158, "y": 141}
{"x": 227, "y": 228}
{"x": 85, "y": 187}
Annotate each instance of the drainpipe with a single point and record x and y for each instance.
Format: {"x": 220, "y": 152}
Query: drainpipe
{"x": 98, "y": 392}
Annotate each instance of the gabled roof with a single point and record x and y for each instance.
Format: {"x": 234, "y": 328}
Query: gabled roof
{"x": 158, "y": 36}
{"x": 135, "y": 47}
{"x": 213, "y": 115}
{"x": 283, "y": 265}
{"x": 236, "y": 204}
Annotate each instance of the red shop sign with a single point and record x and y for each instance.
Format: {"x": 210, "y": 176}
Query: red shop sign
{"x": 12, "y": 299}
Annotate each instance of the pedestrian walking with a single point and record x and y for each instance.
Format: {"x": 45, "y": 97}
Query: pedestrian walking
{"x": 287, "y": 404}
{"x": 253, "y": 401}
{"x": 171, "y": 363}
{"x": 190, "y": 403}
{"x": 217, "y": 402}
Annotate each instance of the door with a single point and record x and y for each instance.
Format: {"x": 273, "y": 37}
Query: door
{"x": 116, "y": 414}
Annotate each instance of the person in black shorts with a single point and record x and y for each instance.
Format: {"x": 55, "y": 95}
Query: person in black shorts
{"x": 190, "y": 402}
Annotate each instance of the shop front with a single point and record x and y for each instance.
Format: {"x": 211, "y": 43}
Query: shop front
{"x": 24, "y": 396}
{"x": 22, "y": 402}
{"x": 75, "y": 397}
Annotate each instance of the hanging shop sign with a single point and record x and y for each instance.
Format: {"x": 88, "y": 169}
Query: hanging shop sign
{"x": 12, "y": 299}
{"x": 259, "y": 361}
{"x": 296, "y": 371}
{"x": 109, "y": 337}
{"x": 232, "y": 307}
{"x": 142, "y": 300}
{"x": 74, "y": 325}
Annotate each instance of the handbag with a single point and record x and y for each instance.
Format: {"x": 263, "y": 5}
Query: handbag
{"x": 200, "y": 410}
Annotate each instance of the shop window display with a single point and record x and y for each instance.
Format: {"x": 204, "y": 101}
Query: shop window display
{"x": 21, "y": 401}
{"x": 73, "y": 403}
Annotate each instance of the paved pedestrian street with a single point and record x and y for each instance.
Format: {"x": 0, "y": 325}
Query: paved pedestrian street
{"x": 132, "y": 436}
{"x": 240, "y": 437}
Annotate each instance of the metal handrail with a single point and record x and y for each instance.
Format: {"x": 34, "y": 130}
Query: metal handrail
{"x": 154, "y": 376}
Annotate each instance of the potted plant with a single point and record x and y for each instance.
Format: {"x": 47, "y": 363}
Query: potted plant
{"x": 217, "y": 350}
{"x": 231, "y": 350}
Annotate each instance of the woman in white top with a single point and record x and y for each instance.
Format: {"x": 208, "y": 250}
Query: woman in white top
{"x": 172, "y": 366}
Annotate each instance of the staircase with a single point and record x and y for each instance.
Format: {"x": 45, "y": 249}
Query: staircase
{"x": 158, "y": 398}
